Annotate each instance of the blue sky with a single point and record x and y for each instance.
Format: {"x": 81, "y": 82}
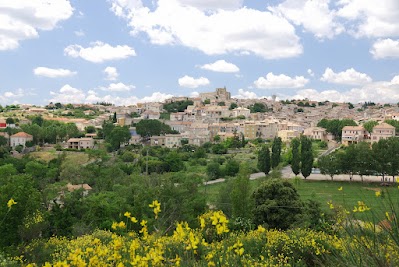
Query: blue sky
{"x": 129, "y": 51}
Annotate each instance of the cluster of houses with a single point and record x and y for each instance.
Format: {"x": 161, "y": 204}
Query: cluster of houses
{"x": 211, "y": 115}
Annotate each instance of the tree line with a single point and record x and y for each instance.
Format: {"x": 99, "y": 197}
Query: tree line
{"x": 380, "y": 158}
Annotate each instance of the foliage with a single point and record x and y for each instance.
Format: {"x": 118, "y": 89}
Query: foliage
{"x": 335, "y": 126}
{"x": 213, "y": 170}
{"x": 276, "y": 152}
{"x": 277, "y": 205}
{"x": 232, "y": 167}
{"x": 296, "y": 156}
{"x": 264, "y": 163}
{"x": 233, "y": 106}
{"x": 306, "y": 156}
{"x": 119, "y": 135}
{"x": 177, "y": 106}
{"x": 147, "y": 128}
{"x": 369, "y": 125}
{"x": 258, "y": 107}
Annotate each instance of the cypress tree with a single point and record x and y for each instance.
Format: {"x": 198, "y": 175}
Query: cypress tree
{"x": 264, "y": 160}
{"x": 306, "y": 156}
{"x": 296, "y": 157}
{"x": 276, "y": 152}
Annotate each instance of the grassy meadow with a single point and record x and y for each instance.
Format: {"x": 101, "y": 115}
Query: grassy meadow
{"x": 328, "y": 191}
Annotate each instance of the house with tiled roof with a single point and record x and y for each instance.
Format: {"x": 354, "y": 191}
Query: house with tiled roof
{"x": 20, "y": 139}
{"x": 353, "y": 134}
{"x": 382, "y": 131}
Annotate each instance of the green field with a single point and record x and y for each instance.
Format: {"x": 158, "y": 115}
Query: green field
{"x": 325, "y": 191}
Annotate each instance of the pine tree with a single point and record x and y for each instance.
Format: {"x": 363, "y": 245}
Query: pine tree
{"x": 264, "y": 160}
{"x": 296, "y": 157}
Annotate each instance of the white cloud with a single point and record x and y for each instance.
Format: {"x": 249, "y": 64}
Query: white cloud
{"x": 386, "y": 48}
{"x": 68, "y": 94}
{"x": 194, "y": 94}
{"x": 378, "y": 92}
{"x": 214, "y": 33}
{"x": 349, "y": 77}
{"x": 118, "y": 87}
{"x": 371, "y": 18}
{"x": 314, "y": 16}
{"x": 280, "y": 81}
{"x": 100, "y": 52}
{"x": 17, "y": 94}
{"x": 242, "y": 94}
{"x": 221, "y": 66}
{"x": 21, "y": 20}
{"x": 212, "y": 4}
{"x": 112, "y": 73}
{"x": 395, "y": 80}
{"x": 79, "y": 33}
{"x": 53, "y": 73}
{"x": 310, "y": 72}
{"x": 190, "y": 82}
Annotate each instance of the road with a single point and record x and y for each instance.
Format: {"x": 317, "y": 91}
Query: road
{"x": 286, "y": 172}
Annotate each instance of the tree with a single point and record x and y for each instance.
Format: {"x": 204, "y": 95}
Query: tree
{"x": 381, "y": 156}
{"x": 147, "y": 128}
{"x": 90, "y": 129}
{"x": 369, "y": 125}
{"x": 306, "y": 156}
{"x": 276, "y": 152}
{"x": 213, "y": 170}
{"x": 10, "y": 121}
{"x": 347, "y": 160}
{"x": 296, "y": 157}
{"x": 232, "y": 106}
{"x": 118, "y": 136}
{"x": 232, "y": 167}
{"x": 364, "y": 164}
{"x": 258, "y": 107}
{"x": 277, "y": 204}
{"x": 114, "y": 119}
{"x": 264, "y": 160}
{"x": 329, "y": 165}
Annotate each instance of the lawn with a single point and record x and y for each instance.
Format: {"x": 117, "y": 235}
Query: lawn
{"x": 325, "y": 191}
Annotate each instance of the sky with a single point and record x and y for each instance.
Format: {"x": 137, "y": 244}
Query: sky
{"x": 129, "y": 51}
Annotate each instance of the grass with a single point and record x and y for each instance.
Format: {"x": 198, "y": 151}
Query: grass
{"x": 325, "y": 191}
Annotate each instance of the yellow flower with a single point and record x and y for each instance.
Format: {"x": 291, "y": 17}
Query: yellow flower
{"x": 330, "y": 204}
{"x": 340, "y": 189}
{"x": 127, "y": 214}
{"x": 156, "y": 207}
{"x": 202, "y": 223}
{"x": 10, "y": 203}
{"x": 133, "y": 219}
{"x": 377, "y": 193}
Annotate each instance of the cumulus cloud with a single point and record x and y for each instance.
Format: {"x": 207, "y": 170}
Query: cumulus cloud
{"x": 371, "y": 18}
{"x": 69, "y": 94}
{"x": 118, "y": 87}
{"x": 348, "y": 77}
{"x": 99, "y": 52}
{"x": 242, "y": 94}
{"x": 53, "y": 73}
{"x": 378, "y": 92}
{"x": 240, "y": 30}
{"x": 111, "y": 73}
{"x": 191, "y": 82}
{"x": 21, "y": 20}
{"x": 314, "y": 16}
{"x": 271, "y": 81}
{"x": 386, "y": 48}
{"x": 212, "y": 4}
{"x": 221, "y": 66}
{"x": 310, "y": 72}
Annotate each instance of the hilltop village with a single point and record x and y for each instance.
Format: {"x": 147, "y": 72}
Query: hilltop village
{"x": 199, "y": 120}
